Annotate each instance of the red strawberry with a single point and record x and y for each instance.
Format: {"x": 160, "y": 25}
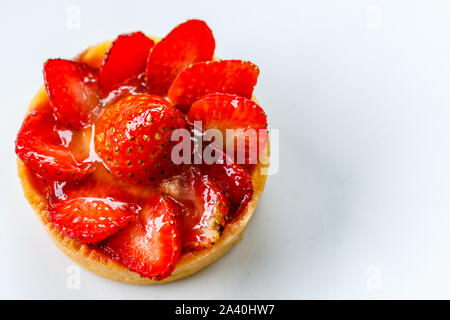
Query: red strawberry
{"x": 235, "y": 182}
{"x": 204, "y": 207}
{"x": 188, "y": 43}
{"x": 133, "y": 137}
{"x": 151, "y": 245}
{"x": 227, "y": 76}
{"x": 41, "y": 147}
{"x": 125, "y": 60}
{"x": 227, "y": 111}
{"x": 91, "y": 212}
{"x": 72, "y": 90}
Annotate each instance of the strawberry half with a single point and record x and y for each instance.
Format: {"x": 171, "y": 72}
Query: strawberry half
{"x": 91, "y": 212}
{"x": 235, "y": 182}
{"x": 40, "y": 146}
{"x": 226, "y": 76}
{"x": 72, "y": 90}
{"x": 125, "y": 60}
{"x": 188, "y": 43}
{"x": 133, "y": 137}
{"x": 244, "y": 116}
{"x": 151, "y": 245}
{"x": 204, "y": 209}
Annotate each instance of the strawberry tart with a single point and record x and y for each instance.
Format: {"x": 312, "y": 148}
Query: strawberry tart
{"x": 100, "y": 166}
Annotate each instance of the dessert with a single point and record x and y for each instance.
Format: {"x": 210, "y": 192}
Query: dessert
{"x": 97, "y": 158}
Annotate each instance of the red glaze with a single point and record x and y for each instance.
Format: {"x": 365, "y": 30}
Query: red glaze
{"x": 204, "y": 207}
{"x": 235, "y": 182}
{"x": 45, "y": 149}
{"x": 226, "y": 111}
{"x": 72, "y": 90}
{"x": 133, "y": 138}
{"x": 226, "y": 76}
{"x": 151, "y": 245}
{"x": 124, "y": 61}
{"x": 188, "y": 43}
{"x": 91, "y": 212}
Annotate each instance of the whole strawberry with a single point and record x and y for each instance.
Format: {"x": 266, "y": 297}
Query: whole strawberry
{"x": 133, "y": 137}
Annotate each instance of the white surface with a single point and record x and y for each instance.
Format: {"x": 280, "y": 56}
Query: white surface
{"x": 360, "y": 206}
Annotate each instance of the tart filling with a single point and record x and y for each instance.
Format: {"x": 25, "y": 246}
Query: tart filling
{"x": 101, "y": 151}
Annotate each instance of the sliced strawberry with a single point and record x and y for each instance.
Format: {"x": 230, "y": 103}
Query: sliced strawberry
{"x": 151, "y": 245}
{"x": 125, "y": 60}
{"x": 72, "y": 90}
{"x": 43, "y": 149}
{"x": 204, "y": 207}
{"x": 227, "y": 76}
{"x": 133, "y": 137}
{"x": 235, "y": 182}
{"x": 91, "y": 212}
{"x": 188, "y": 43}
{"x": 244, "y": 116}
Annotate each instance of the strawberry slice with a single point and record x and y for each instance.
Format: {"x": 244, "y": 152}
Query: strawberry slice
{"x": 133, "y": 137}
{"x": 226, "y": 76}
{"x": 244, "y": 116}
{"x": 125, "y": 60}
{"x": 91, "y": 212}
{"x": 204, "y": 209}
{"x": 43, "y": 148}
{"x": 235, "y": 182}
{"x": 188, "y": 43}
{"x": 151, "y": 245}
{"x": 72, "y": 90}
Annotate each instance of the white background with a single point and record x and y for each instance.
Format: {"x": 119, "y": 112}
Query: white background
{"x": 360, "y": 91}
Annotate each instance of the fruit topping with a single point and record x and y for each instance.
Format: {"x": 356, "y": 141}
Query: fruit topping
{"x": 133, "y": 137}
{"x": 246, "y": 119}
{"x": 124, "y": 61}
{"x": 188, "y": 43}
{"x": 226, "y": 76}
{"x": 151, "y": 245}
{"x": 91, "y": 212}
{"x": 46, "y": 150}
{"x": 235, "y": 182}
{"x": 204, "y": 209}
{"x": 72, "y": 90}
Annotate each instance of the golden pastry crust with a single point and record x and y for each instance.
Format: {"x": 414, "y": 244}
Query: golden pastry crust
{"x": 100, "y": 263}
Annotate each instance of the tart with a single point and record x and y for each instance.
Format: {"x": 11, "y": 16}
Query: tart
{"x": 96, "y": 154}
